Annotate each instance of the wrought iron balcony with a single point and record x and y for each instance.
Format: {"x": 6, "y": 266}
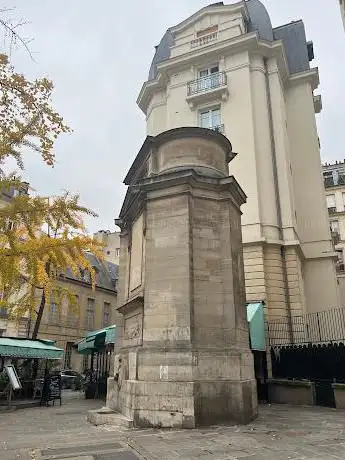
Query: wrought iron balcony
{"x": 201, "y": 85}
{"x": 334, "y": 181}
{"x": 204, "y": 40}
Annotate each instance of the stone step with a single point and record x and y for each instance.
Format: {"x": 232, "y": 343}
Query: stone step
{"x": 106, "y": 416}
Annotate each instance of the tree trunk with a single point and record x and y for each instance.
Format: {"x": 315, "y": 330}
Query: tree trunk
{"x": 41, "y": 308}
{"x": 39, "y": 316}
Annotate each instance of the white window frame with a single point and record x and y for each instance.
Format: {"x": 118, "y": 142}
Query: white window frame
{"x": 208, "y": 69}
{"x": 209, "y": 110}
{"x": 330, "y": 200}
{"x": 337, "y": 229}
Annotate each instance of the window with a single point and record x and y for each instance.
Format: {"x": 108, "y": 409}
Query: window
{"x": 210, "y": 118}
{"x": 2, "y": 332}
{"x": 344, "y": 200}
{"x": 117, "y": 252}
{"x": 334, "y": 177}
{"x": 85, "y": 275}
{"x": 72, "y": 312}
{"x": 90, "y": 314}
{"x": 208, "y": 79}
{"x": 209, "y": 71}
{"x": 53, "y": 312}
{"x": 106, "y": 314}
{"x": 334, "y": 226}
{"x": 340, "y": 260}
{"x": 85, "y": 362}
{"x": 68, "y": 355}
{"x": 330, "y": 199}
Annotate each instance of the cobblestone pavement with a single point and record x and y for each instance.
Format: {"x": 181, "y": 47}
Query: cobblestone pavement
{"x": 280, "y": 433}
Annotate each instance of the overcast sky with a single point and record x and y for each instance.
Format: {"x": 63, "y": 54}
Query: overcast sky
{"x": 98, "y": 55}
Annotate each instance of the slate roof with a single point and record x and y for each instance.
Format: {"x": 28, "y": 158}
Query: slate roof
{"x": 292, "y": 34}
{"x": 107, "y": 273}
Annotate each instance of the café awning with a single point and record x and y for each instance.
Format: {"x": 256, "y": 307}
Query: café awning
{"x": 96, "y": 340}
{"x": 256, "y": 323}
{"x": 27, "y": 348}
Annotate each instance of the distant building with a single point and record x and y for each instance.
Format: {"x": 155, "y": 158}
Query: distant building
{"x": 7, "y": 327}
{"x": 111, "y": 241}
{"x": 334, "y": 180}
{"x": 95, "y": 310}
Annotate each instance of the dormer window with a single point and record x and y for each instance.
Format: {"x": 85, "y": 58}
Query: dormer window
{"x": 208, "y": 31}
{"x": 205, "y": 36}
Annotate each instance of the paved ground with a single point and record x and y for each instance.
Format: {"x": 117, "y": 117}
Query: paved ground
{"x": 280, "y": 433}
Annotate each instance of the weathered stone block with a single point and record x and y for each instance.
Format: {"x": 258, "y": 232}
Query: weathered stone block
{"x": 192, "y": 364}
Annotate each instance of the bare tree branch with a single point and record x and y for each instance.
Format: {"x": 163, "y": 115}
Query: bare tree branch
{"x": 10, "y": 27}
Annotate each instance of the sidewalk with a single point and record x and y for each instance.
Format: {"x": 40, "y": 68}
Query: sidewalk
{"x": 280, "y": 433}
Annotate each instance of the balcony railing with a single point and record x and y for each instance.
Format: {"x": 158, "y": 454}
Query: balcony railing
{"x": 201, "y": 41}
{"x": 334, "y": 181}
{"x": 218, "y": 128}
{"x": 208, "y": 83}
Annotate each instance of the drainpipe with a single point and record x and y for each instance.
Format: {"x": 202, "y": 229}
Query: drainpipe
{"x": 277, "y": 196}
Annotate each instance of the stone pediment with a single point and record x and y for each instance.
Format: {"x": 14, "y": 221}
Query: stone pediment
{"x": 208, "y": 26}
{"x": 208, "y": 15}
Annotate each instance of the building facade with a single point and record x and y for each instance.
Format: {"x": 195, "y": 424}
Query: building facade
{"x": 95, "y": 310}
{"x": 334, "y": 180}
{"x": 111, "y": 242}
{"x": 10, "y": 328}
{"x": 226, "y": 68}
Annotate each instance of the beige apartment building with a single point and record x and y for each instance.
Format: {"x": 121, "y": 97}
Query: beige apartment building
{"x": 10, "y": 328}
{"x": 226, "y": 68}
{"x": 334, "y": 180}
{"x": 95, "y": 310}
{"x": 111, "y": 242}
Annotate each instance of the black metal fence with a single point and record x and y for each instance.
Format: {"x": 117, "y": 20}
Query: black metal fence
{"x": 320, "y": 327}
{"x": 311, "y": 362}
{"x": 310, "y": 346}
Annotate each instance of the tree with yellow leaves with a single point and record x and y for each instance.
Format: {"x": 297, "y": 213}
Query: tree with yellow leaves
{"x": 39, "y": 237}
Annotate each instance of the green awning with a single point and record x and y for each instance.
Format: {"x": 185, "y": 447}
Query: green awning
{"x": 26, "y": 348}
{"x": 256, "y": 322}
{"x": 96, "y": 340}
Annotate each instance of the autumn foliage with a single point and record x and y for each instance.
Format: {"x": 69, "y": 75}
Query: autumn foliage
{"x": 40, "y": 237}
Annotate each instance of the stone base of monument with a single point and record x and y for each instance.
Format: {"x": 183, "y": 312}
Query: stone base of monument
{"x": 188, "y": 404}
{"x": 106, "y": 416}
{"x": 220, "y": 389}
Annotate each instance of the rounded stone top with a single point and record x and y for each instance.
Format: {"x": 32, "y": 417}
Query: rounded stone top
{"x": 203, "y": 150}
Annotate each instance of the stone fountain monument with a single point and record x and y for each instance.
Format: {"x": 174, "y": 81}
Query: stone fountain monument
{"x": 182, "y": 355}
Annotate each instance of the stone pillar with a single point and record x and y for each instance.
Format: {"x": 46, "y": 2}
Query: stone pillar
{"x": 185, "y": 352}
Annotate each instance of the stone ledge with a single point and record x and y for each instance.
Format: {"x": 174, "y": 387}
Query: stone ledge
{"x": 295, "y": 392}
{"x": 292, "y": 383}
{"x": 106, "y": 416}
